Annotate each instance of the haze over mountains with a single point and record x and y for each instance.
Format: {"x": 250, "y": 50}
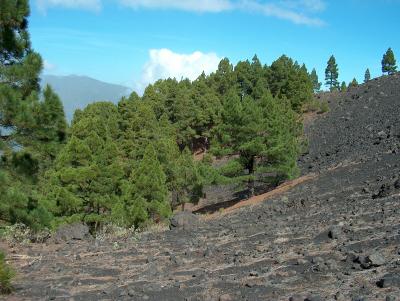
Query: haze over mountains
{"x": 76, "y": 92}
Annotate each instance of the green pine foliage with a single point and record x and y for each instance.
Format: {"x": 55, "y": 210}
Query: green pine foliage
{"x": 314, "y": 79}
{"x": 353, "y": 83}
{"x": 287, "y": 79}
{"x": 32, "y": 131}
{"x": 85, "y": 181}
{"x": 389, "y": 65}
{"x": 132, "y": 163}
{"x": 149, "y": 184}
{"x": 367, "y": 76}
{"x": 332, "y": 74}
{"x": 343, "y": 87}
{"x": 6, "y": 275}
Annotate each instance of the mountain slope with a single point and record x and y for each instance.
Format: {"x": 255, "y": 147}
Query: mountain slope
{"x": 76, "y": 92}
{"x": 334, "y": 237}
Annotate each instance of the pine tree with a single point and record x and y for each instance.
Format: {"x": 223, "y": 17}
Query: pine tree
{"x": 287, "y": 79}
{"x": 149, "y": 182}
{"x": 85, "y": 181}
{"x": 343, "y": 87}
{"x": 223, "y": 79}
{"x": 332, "y": 74}
{"x": 353, "y": 83}
{"x": 389, "y": 62}
{"x": 20, "y": 66}
{"x": 267, "y": 130}
{"x": 6, "y": 275}
{"x": 314, "y": 79}
{"x": 35, "y": 129}
{"x": 367, "y": 76}
{"x": 208, "y": 108}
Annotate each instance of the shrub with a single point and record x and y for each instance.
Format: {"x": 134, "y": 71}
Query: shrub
{"x": 316, "y": 106}
{"x": 324, "y": 107}
{"x": 6, "y": 275}
{"x": 20, "y": 233}
{"x": 112, "y": 232}
{"x": 17, "y": 233}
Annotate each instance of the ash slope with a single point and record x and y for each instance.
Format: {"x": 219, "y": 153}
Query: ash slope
{"x": 336, "y": 237}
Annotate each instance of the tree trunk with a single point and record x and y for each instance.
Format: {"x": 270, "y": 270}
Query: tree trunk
{"x": 250, "y": 183}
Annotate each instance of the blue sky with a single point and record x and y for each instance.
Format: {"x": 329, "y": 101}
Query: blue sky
{"x": 134, "y": 42}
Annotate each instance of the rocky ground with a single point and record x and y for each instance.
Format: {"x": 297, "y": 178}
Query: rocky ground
{"x": 334, "y": 237}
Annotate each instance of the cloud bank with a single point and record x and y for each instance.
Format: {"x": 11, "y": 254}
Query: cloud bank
{"x": 296, "y": 11}
{"x": 164, "y": 63}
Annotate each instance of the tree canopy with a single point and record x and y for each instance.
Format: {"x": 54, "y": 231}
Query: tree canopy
{"x": 389, "y": 62}
{"x": 315, "y": 81}
{"x": 367, "y": 76}
{"x": 332, "y": 74}
{"x": 32, "y": 125}
{"x": 133, "y": 162}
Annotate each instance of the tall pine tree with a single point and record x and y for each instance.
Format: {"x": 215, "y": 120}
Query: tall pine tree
{"x": 367, "y": 76}
{"x": 31, "y": 131}
{"x": 332, "y": 74}
{"x": 343, "y": 87}
{"x": 389, "y": 62}
{"x": 353, "y": 83}
{"x": 315, "y": 81}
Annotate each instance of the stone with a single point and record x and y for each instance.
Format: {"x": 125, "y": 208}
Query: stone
{"x": 397, "y": 184}
{"x": 335, "y": 232}
{"x": 358, "y": 298}
{"x": 317, "y": 260}
{"x": 390, "y": 298}
{"x": 366, "y": 190}
{"x": 225, "y": 297}
{"x": 313, "y": 298}
{"x": 208, "y": 252}
{"x": 389, "y": 280}
{"x": 382, "y": 135}
{"x": 376, "y": 259}
{"x": 301, "y": 261}
{"x": 176, "y": 260}
{"x": 72, "y": 232}
{"x": 131, "y": 292}
{"x": 331, "y": 264}
{"x": 385, "y": 190}
{"x": 339, "y": 297}
{"x": 184, "y": 221}
{"x": 296, "y": 298}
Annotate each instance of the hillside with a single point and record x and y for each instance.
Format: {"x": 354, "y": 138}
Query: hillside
{"x": 333, "y": 237}
{"x": 76, "y": 92}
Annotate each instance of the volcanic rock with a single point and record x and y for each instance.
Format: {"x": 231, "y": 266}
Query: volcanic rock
{"x": 72, "y": 232}
{"x": 185, "y": 221}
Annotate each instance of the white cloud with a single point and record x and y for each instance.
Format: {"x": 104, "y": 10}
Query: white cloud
{"x": 186, "y": 5}
{"x": 295, "y": 11}
{"x": 314, "y": 5}
{"x": 164, "y": 63}
{"x": 47, "y": 66}
{"x": 290, "y": 11}
{"x": 304, "y": 5}
{"x": 93, "y": 5}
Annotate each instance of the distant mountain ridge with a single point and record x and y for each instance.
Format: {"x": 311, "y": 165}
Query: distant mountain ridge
{"x": 76, "y": 92}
